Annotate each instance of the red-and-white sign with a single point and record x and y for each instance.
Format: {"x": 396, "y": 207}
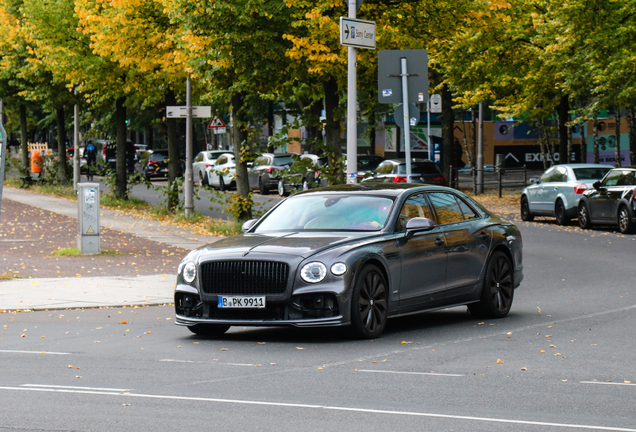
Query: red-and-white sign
{"x": 216, "y": 123}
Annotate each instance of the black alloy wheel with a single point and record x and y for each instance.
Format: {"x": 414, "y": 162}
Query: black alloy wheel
{"x": 369, "y": 302}
{"x": 261, "y": 188}
{"x": 498, "y": 290}
{"x": 625, "y": 223}
{"x": 525, "y": 210}
{"x": 221, "y": 183}
{"x": 584, "y": 216}
{"x": 208, "y": 329}
{"x": 561, "y": 216}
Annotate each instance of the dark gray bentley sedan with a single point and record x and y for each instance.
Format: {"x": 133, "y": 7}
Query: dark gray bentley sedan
{"x": 353, "y": 255}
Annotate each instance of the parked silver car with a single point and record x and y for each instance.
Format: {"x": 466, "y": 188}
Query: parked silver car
{"x": 558, "y": 191}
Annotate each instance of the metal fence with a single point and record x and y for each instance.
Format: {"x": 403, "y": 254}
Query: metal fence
{"x": 496, "y": 177}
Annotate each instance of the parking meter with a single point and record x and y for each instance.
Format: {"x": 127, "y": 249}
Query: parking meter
{"x": 88, "y": 218}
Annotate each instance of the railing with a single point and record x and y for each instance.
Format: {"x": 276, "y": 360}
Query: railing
{"x": 495, "y": 176}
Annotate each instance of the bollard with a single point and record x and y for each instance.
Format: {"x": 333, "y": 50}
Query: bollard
{"x": 88, "y": 218}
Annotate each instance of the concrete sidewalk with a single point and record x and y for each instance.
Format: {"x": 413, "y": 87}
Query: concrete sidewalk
{"x": 81, "y": 292}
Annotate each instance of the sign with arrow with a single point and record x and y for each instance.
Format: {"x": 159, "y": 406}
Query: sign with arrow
{"x": 182, "y": 111}
{"x": 357, "y": 33}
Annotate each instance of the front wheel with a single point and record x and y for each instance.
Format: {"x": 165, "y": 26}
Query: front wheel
{"x": 584, "y": 217}
{"x": 208, "y": 329}
{"x": 498, "y": 290}
{"x": 625, "y": 223}
{"x": 221, "y": 183}
{"x": 281, "y": 188}
{"x": 261, "y": 187}
{"x": 369, "y": 303}
{"x": 525, "y": 210}
{"x": 306, "y": 185}
{"x": 561, "y": 216}
{"x": 203, "y": 177}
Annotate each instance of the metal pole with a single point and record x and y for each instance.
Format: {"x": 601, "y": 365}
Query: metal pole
{"x": 407, "y": 123}
{"x": 428, "y": 129}
{"x": 480, "y": 151}
{"x": 3, "y": 153}
{"x": 352, "y": 111}
{"x": 188, "y": 189}
{"x": 76, "y": 165}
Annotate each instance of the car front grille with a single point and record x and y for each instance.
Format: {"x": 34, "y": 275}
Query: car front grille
{"x": 244, "y": 277}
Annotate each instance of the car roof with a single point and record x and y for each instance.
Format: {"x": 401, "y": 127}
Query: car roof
{"x": 389, "y": 190}
{"x": 583, "y": 165}
{"x": 403, "y": 161}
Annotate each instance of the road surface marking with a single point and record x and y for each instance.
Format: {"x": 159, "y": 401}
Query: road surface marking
{"x": 34, "y": 352}
{"x": 74, "y": 388}
{"x": 333, "y": 408}
{"x": 610, "y": 383}
{"x": 200, "y": 362}
{"x": 410, "y": 373}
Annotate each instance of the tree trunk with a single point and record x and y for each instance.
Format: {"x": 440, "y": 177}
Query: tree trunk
{"x": 239, "y": 124}
{"x": 631, "y": 125}
{"x": 468, "y": 158}
{"x": 150, "y": 139}
{"x": 24, "y": 139}
{"x": 474, "y": 133}
{"x": 569, "y": 150}
{"x": 173, "y": 152}
{"x": 332, "y": 125}
{"x": 120, "y": 168}
{"x": 61, "y": 146}
{"x": 564, "y": 115}
{"x": 270, "y": 123}
{"x": 583, "y": 140}
{"x": 448, "y": 125}
{"x": 596, "y": 157}
{"x": 544, "y": 159}
{"x": 618, "y": 137}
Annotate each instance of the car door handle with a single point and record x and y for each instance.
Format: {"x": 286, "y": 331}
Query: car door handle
{"x": 439, "y": 242}
{"x": 484, "y": 236}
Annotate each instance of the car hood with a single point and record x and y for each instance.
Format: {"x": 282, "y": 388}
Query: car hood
{"x": 302, "y": 244}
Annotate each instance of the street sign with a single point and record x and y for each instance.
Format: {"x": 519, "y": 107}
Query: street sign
{"x": 389, "y": 75}
{"x": 218, "y": 131}
{"x": 414, "y": 115}
{"x": 216, "y": 123}
{"x": 182, "y": 112}
{"x": 357, "y": 33}
{"x": 435, "y": 104}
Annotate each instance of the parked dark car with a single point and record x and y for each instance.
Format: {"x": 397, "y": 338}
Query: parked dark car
{"x": 353, "y": 255}
{"x": 306, "y": 176}
{"x": 394, "y": 171}
{"x": 611, "y": 202}
{"x": 154, "y": 163}
{"x": 109, "y": 152}
{"x": 264, "y": 173}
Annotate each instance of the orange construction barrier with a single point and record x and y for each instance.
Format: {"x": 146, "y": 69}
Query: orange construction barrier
{"x": 36, "y": 162}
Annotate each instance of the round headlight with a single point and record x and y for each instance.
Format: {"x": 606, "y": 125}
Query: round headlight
{"x": 189, "y": 272}
{"x": 339, "y": 269}
{"x": 313, "y": 272}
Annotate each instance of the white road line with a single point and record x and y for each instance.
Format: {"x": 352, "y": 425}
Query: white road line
{"x": 75, "y": 388}
{"x": 606, "y": 383}
{"x": 410, "y": 373}
{"x": 208, "y": 362}
{"x": 34, "y": 352}
{"x": 334, "y": 408}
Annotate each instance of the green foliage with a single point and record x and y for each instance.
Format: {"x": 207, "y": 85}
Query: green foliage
{"x": 132, "y": 179}
{"x": 72, "y": 251}
{"x": 235, "y": 204}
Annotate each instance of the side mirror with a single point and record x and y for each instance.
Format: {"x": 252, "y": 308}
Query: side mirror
{"x": 247, "y": 225}
{"x": 597, "y": 185}
{"x": 417, "y": 224}
{"x": 533, "y": 180}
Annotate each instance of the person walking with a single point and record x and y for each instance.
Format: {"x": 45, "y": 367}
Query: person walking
{"x": 91, "y": 160}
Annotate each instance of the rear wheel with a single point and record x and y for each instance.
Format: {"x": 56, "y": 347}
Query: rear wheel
{"x": 498, "y": 290}
{"x": 281, "y": 188}
{"x": 221, "y": 183}
{"x": 525, "y": 210}
{"x": 306, "y": 185}
{"x": 369, "y": 303}
{"x": 625, "y": 223}
{"x": 561, "y": 216}
{"x": 203, "y": 178}
{"x": 208, "y": 329}
{"x": 584, "y": 217}
{"x": 261, "y": 188}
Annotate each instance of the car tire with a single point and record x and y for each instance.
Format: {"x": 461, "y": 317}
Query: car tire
{"x": 561, "y": 216}
{"x": 306, "y": 185}
{"x": 369, "y": 303}
{"x": 281, "y": 189}
{"x": 498, "y": 290}
{"x": 203, "y": 177}
{"x": 625, "y": 223}
{"x": 525, "y": 210}
{"x": 208, "y": 329}
{"x": 584, "y": 216}
{"x": 261, "y": 188}
{"x": 221, "y": 183}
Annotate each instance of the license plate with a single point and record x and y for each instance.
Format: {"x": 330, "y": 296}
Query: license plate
{"x": 164, "y": 169}
{"x": 241, "y": 302}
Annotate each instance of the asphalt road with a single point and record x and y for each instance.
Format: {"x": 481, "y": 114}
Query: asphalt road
{"x": 562, "y": 360}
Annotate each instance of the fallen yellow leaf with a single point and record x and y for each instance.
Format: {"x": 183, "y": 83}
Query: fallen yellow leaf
{"x": 499, "y": 361}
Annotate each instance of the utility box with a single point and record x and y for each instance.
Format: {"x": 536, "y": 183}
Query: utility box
{"x": 88, "y": 218}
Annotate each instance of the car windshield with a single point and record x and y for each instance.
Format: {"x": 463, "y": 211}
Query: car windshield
{"x": 328, "y": 212}
{"x": 283, "y": 160}
{"x": 421, "y": 168}
{"x": 590, "y": 173}
{"x": 369, "y": 163}
{"x": 620, "y": 178}
{"x": 158, "y": 156}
